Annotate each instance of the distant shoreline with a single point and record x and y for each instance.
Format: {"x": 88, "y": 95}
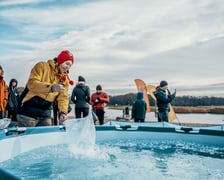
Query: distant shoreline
{"x": 185, "y": 109}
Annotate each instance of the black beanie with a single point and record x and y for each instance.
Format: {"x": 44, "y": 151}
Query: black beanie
{"x": 99, "y": 87}
{"x": 80, "y": 78}
{"x": 163, "y": 83}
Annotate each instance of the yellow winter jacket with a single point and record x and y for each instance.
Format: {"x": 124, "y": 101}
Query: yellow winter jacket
{"x": 3, "y": 95}
{"x": 42, "y": 77}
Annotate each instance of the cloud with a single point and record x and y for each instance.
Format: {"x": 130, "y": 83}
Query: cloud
{"x": 20, "y": 2}
{"x": 115, "y": 42}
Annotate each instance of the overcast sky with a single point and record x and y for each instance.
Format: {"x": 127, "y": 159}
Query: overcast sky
{"x": 117, "y": 41}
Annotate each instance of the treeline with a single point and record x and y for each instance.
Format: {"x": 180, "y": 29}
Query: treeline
{"x": 128, "y": 99}
{"x": 198, "y": 101}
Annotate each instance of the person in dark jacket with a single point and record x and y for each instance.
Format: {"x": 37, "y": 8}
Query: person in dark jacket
{"x": 81, "y": 98}
{"x": 163, "y": 101}
{"x": 13, "y": 98}
{"x": 139, "y": 108}
{"x": 98, "y": 102}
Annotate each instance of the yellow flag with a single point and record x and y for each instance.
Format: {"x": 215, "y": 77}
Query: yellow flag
{"x": 142, "y": 88}
{"x": 172, "y": 114}
{"x": 150, "y": 90}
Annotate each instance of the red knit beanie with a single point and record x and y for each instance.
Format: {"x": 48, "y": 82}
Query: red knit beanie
{"x": 64, "y": 56}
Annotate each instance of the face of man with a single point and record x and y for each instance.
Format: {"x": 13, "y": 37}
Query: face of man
{"x": 164, "y": 88}
{"x": 98, "y": 91}
{"x": 66, "y": 66}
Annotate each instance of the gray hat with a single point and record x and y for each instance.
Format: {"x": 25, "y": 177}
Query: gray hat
{"x": 163, "y": 83}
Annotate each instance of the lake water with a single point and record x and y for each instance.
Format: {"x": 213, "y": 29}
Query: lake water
{"x": 182, "y": 118}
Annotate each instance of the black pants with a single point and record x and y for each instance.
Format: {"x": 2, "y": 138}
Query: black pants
{"x": 164, "y": 116}
{"x": 81, "y": 112}
{"x": 159, "y": 120}
{"x": 55, "y": 114}
{"x": 1, "y": 115}
{"x": 100, "y": 114}
{"x": 12, "y": 115}
{"x": 139, "y": 120}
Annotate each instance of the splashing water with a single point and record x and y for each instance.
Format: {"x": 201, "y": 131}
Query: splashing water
{"x": 81, "y": 135}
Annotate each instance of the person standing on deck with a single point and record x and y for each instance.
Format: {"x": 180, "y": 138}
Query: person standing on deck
{"x": 48, "y": 81}
{"x": 3, "y": 93}
{"x": 98, "y": 102}
{"x": 139, "y": 108}
{"x": 13, "y": 99}
{"x": 81, "y": 98}
{"x": 163, "y": 101}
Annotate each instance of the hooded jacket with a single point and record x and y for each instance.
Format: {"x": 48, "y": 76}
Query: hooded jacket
{"x": 81, "y": 96}
{"x": 3, "y": 94}
{"x": 163, "y": 100}
{"x": 39, "y": 96}
{"x": 139, "y": 107}
{"x": 13, "y": 96}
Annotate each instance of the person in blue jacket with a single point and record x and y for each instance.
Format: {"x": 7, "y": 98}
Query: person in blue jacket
{"x": 139, "y": 108}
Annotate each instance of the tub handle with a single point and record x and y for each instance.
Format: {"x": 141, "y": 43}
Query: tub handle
{"x": 187, "y": 130}
{"x": 125, "y": 127}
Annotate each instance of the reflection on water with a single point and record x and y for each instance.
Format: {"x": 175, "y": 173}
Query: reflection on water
{"x": 122, "y": 160}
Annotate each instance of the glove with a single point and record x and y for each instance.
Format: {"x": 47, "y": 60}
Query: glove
{"x": 97, "y": 101}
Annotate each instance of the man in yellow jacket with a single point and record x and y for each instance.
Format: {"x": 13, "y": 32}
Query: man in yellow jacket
{"x": 48, "y": 81}
{"x": 3, "y": 93}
